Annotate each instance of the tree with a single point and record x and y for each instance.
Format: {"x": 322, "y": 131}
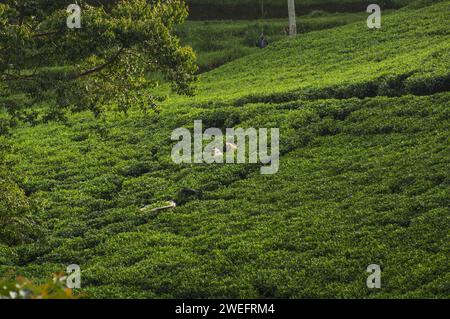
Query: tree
{"x": 113, "y": 60}
{"x": 292, "y": 19}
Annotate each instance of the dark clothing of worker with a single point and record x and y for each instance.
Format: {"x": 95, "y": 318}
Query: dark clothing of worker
{"x": 262, "y": 42}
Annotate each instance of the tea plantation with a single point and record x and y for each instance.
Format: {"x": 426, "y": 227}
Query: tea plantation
{"x": 364, "y": 176}
{"x": 220, "y": 42}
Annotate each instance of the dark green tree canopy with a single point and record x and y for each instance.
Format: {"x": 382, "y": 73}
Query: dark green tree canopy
{"x": 111, "y": 60}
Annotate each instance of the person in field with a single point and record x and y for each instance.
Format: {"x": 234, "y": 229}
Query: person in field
{"x": 262, "y": 41}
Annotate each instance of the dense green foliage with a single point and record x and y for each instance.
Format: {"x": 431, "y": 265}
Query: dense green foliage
{"x": 16, "y": 224}
{"x": 363, "y": 117}
{"x": 17, "y": 212}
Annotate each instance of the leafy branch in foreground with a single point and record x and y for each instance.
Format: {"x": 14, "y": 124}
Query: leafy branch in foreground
{"x": 22, "y": 288}
{"x": 113, "y": 60}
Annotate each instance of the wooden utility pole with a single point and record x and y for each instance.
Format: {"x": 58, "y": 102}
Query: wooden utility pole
{"x": 292, "y": 19}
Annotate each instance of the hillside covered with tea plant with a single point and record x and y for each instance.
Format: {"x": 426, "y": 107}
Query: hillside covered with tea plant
{"x": 363, "y": 117}
{"x": 222, "y": 41}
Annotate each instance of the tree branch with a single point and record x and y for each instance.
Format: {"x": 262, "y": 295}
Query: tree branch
{"x": 99, "y": 67}
{"x": 40, "y": 35}
{"x": 112, "y": 60}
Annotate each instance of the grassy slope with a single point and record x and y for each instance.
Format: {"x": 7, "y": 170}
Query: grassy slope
{"x": 363, "y": 179}
{"x": 220, "y": 42}
{"x": 417, "y": 45}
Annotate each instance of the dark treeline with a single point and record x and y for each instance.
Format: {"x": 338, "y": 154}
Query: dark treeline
{"x": 222, "y": 11}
